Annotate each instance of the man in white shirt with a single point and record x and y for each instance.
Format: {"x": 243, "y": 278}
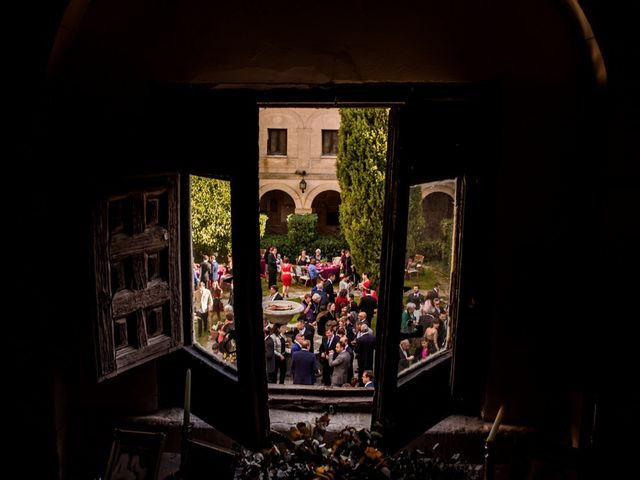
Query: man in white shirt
{"x": 203, "y": 304}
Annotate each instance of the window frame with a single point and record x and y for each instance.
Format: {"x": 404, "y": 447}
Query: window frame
{"x": 271, "y": 150}
{"x": 250, "y": 384}
{"x": 335, "y": 144}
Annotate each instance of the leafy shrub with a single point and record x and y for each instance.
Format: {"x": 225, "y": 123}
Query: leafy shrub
{"x": 302, "y": 229}
{"x": 431, "y": 249}
{"x": 279, "y": 240}
{"x": 330, "y": 246}
{"x": 446, "y": 228}
{"x": 438, "y": 250}
{"x": 263, "y": 223}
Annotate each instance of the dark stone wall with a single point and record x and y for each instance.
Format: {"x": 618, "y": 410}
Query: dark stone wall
{"x": 565, "y": 239}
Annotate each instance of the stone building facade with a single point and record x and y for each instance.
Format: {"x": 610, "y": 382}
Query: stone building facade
{"x": 301, "y": 144}
{"x": 297, "y": 144}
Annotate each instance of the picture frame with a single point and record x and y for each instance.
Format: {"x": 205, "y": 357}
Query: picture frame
{"x": 206, "y": 460}
{"x": 135, "y": 455}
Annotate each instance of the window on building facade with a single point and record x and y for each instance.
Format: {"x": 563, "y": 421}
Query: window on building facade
{"x": 330, "y": 142}
{"x": 277, "y": 141}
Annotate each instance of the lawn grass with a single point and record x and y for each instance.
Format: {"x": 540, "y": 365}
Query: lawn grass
{"x": 426, "y": 278}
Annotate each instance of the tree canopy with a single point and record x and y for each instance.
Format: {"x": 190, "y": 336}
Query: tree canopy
{"x": 210, "y": 216}
{"x": 360, "y": 168}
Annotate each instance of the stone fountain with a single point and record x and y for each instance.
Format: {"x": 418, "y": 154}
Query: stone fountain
{"x": 280, "y": 311}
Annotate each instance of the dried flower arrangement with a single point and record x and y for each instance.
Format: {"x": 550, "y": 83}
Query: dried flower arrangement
{"x": 354, "y": 454}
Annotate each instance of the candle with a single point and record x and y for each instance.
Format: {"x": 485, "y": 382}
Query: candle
{"x": 187, "y": 399}
{"x": 496, "y": 425}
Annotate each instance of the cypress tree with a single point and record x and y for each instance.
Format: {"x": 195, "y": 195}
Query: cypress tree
{"x": 360, "y": 168}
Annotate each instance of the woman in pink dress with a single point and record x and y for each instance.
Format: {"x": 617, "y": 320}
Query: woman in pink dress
{"x": 285, "y": 269}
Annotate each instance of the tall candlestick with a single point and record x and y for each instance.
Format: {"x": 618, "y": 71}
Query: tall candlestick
{"x": 187, "y": 399}
{"x": 496, "y": 425}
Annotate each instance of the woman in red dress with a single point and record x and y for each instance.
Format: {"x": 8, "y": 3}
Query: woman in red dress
{"x": 365, "y": 284}
{"x": 285, "y": 269}
{"x": 217, "y": 307}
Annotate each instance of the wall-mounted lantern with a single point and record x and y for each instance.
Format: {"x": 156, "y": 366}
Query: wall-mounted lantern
{"x": 303, "y": 183}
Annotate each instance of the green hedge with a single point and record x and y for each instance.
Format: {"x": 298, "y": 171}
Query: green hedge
{"x": 431, "y": 249}
{"x": 281, "y": 241}
{"x": 330, "y": 246}
{"x": 438, "y": 250}
{"x": 302, "y": 229}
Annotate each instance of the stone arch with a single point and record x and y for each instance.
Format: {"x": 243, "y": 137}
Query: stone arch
{"x": 319, "y": 113}
{"x": 318, "y": 189}
{"x": 277, "y": 204}
{"x": 289, "y": 113}
{"x": 288, "y": 189}
{"x": 446, "y": 186}
{"x": 326, "y": 205}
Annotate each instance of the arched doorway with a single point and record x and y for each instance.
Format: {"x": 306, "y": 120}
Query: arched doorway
{"x": 436, "y": 207}
{"x": 277, "y": 205}
{"x": 326, "y": 206}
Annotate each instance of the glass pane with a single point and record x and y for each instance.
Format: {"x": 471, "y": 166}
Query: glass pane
{"x": 277, "y": 144}
{"x": 425, "y": 327}
{"x": 329, "y": 142}
{"x": 213, "y": 318}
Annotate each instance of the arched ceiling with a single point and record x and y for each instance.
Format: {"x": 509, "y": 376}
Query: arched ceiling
{"x": 199, "y": 41}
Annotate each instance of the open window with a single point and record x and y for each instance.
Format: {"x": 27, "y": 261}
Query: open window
{"x": 144, "y": 265}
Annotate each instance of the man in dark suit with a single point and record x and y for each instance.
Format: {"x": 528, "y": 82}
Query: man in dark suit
{"x": 367, "y": 379}
{"x": 328, "y": 287}
{"x": 368, "y": 304}
{"x": 303, "y": 366}
{"x": 364, "y": 345}
{"x": 434, "y": 292}
{"x": 416, "y": 297}
{"x": 272, "y": 265}
{"x": 404, "y": 359}
{"x": 306, "y": 330}
{"x": 328, "y": 344}
{"x": 274, "y": 294}
{"x": 270, "y": 355}
{"x": 296, "y": 346}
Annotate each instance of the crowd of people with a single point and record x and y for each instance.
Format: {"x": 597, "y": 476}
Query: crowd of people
{"x": 424, "y": 327}
{"x": 333, "y": 342}
{"x": 213, "y": 314}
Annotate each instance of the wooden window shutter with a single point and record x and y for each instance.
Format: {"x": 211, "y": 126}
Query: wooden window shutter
{"x": 137, "y": 271}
